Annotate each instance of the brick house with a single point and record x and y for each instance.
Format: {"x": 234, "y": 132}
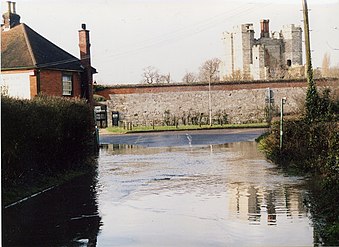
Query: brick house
{"x": 32, "y": 65}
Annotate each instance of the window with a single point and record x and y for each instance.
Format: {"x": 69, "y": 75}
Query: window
{"x": 67, "y": 85}
{"x": 289, "y": 63}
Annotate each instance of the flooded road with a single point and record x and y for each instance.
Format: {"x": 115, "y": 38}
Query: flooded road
{"x": 190, "y": 194}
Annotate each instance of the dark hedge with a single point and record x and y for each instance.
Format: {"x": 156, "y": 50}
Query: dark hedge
{"x": 44, "y": 136}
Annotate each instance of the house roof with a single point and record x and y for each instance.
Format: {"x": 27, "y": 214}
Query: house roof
{"x": 23, "y": 48}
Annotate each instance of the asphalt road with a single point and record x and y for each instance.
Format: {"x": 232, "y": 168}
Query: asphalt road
{"x": 182, "y": 138}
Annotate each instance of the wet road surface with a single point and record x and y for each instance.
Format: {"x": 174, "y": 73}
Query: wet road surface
{"x": 189, "y": 188}
{"x": 182, "y": 138}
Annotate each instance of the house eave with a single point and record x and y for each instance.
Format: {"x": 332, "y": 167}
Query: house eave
{"x": 42, "y": 68}
{"x": 19, "y": 68}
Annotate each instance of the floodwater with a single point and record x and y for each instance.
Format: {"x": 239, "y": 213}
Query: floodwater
{"x": 186, "y": 195}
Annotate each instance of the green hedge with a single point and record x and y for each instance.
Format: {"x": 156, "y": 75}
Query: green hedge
{"x": 310, "y": 147}
{"x": 43, "y": 136}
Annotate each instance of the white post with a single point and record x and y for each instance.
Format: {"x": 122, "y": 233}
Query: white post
{"x": 209, "y": 101}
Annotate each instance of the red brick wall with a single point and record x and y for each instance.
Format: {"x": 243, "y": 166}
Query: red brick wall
{"x": 33, "y": 85}
{"x": 51, "y": 83}
{"x": 137, "y": 89}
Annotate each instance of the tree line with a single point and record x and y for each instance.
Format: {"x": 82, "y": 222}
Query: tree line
{"x": 208, "y": 71}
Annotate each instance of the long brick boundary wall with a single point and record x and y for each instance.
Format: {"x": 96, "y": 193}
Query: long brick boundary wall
{"x": 242, "y": 102}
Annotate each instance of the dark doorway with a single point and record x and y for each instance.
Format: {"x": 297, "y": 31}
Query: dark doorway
{"x": 289, "y": 62}
{"x": 115, "y": 118}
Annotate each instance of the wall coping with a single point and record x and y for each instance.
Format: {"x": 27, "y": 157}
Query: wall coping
{"x": 107, "y": 87}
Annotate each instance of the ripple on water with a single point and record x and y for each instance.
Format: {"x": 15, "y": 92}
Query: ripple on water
{"x": 223, "y": 194}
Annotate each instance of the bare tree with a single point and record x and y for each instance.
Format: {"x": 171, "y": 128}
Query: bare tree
{"x": 150, "y": 75}
{"x": 190, "y": 77}
{"x": 209, "y": 70}
{"x": 235, "y": 76}
{"x": 164, "y": 78}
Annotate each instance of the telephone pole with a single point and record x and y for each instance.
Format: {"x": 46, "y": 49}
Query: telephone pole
{"x": 312, "y": 97}
{"x": 307, "y": 42}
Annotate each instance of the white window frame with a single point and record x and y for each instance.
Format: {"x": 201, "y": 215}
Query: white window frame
{"x": 67, "y": 84}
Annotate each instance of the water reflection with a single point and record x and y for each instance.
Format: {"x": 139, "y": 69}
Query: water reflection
{"x": 64, "y": 216}
{"x": 260, "y": 206}
{"x": 198, "y": 195}
{"x": 212, "y": 195}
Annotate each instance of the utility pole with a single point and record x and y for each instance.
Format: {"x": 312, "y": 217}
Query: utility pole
{"x": 312, "y": 96}
{"x": 307, "y": 42}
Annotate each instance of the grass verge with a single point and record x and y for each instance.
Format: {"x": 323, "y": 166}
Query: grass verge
{"x": 40, "y": 183}
{"x": 138, "y": 129}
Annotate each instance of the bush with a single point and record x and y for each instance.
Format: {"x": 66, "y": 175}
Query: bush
{"x": 309, "y": 147}
{"x": 312, "y": 148}
{"x": 43, "y": 136}
{"x": 312, "y": 145}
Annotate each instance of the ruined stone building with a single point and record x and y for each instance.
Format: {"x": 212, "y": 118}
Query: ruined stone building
{"x": 271, "y": 56}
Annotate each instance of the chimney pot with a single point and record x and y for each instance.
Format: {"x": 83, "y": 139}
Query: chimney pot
{"x": 83, "y": 26}
{"x": 9, "y": 6}
{"x": 13, "y": 6}
{"x": 264, "y": 28}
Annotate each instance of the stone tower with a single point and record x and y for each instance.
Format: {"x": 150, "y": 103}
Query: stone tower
{"x": 268, "y": 57}
{"x": 238, "y": 50}
{"x": 292, "y": 39}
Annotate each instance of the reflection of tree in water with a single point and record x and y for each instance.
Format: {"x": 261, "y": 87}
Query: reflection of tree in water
{"x": 64, "y": 216}
{"x": 322, "y": 201}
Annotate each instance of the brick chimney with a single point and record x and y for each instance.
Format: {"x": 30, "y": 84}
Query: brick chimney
{"x": 85, "y": 56}
{"x": 11, "y": 18}
{"x": 264, "y": 28}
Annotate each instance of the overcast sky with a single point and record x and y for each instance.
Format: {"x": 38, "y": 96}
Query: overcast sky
{"x": 174, "y": 36}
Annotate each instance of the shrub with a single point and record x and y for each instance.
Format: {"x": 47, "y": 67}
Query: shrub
{"x": 310, "y": 147}
{"x": 43, "y": 136}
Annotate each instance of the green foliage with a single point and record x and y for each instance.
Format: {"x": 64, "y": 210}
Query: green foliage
{"x": 98, "y": 98}
{"x": 320, "y": 107}
{"x": 136, "y": 129}
{"x": 312, "y": 145}
{"x": 312, "y": 148}
{"x": 194, "y": 118}
{"x": 312, "y": 97}
{"x": 98, "y": 88}
{"x": 322, "y": 201}
{"x": 221, "y": 117}
{"x": 167, "y": 117}
{"x": 43, "y": 136}
{"x": 309, "y": 147}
